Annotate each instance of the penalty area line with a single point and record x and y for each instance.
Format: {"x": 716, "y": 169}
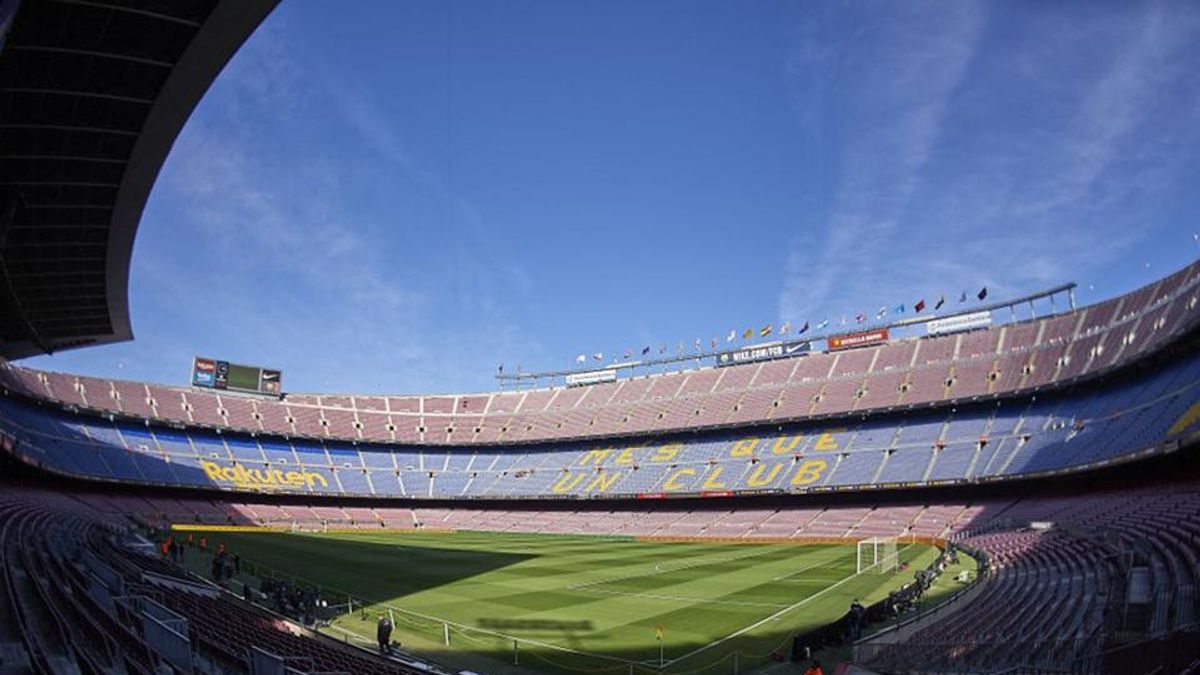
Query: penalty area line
{"x": 680, "y": 598}
{"x": 660, "y": 569}
{"x": 819, "y": 563}
{"x": 767, "y": 620}
{"x": 761, "y": 622}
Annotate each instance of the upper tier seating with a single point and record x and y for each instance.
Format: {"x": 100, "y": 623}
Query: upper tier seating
{"x": 958, "y": 367}
{"x": 1151, "y": 410}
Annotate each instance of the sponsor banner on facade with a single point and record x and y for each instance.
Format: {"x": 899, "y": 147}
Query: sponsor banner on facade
{"x": 239, "y": 477}
{"x": 866, "y": 338}
{"x": 774, "y": 350}
{"x": 591, "y": 377}
{"x": 955, "y": 324}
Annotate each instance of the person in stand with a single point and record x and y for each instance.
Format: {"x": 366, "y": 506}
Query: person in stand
{"x": 814, "y": 669}
{"x": 383, "y": 633}
{"x": 237, "y": 563}
{"x": 203, "y": 543}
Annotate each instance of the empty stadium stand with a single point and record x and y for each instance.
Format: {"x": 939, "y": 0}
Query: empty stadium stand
{"x": 78, "y": 598}
{"x": 1023, "y": 357}
{"x": 1073, "y": 571}
{"x": 1148, "y": 410}
{"x": 991, "y": 440}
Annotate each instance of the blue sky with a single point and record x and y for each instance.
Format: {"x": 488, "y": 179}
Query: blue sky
{"x": 399, "y": 196}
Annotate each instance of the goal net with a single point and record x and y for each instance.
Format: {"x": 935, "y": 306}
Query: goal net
{"x": 878, "y": 555}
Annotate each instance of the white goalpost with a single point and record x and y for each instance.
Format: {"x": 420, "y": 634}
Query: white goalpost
{"x": 878, "y": 555}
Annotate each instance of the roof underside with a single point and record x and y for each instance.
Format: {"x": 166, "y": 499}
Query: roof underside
{"x": 92, "y": 96}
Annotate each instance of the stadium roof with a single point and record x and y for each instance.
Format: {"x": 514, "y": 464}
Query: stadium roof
{"x": 92, "y": 96}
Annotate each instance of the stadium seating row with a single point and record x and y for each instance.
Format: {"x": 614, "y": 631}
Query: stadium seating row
{"x": 1064, "y": 568}
{"x": 1098, "y": 564}
{"x": 75, "y": 601}
{"x": 1069, "y": 571}
{"x": 1157, "y": 410}
{"x": 1024, "y": 356}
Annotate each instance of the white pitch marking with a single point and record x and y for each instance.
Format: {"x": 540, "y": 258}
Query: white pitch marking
{"x": 806, "y": 568}
{"x": 658, "y": 569}
{"x": 769, "y": 619}
{"x": 681, "y": 598}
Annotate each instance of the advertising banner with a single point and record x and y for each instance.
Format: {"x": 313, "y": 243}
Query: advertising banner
{"x": 959, "y": 323}
{"x": 591, "y": 377}
{"x": 203, "y": 372}
{"x": 271, "y": 381}
{"x": 221, "y": 381}
{"x": 775, "y": 350}
{"x": 865, "y": 338}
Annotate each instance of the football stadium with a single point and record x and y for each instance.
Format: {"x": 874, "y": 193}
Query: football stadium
{"x": 978, "y": 485}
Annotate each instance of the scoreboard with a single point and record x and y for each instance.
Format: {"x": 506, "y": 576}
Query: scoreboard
{"x": 217, "y": 374}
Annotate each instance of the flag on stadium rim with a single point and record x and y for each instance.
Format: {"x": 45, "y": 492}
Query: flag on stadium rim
{"x": 712, "y": 344}
{"x": 860, "y": 318}
{"x": 962, "y": 298}
{"x": 982, "y": 293}
{"x": 941, "y": 301}
{"x": 899, "y": 309}
{"x": 581, "y": 358}
{"x": 881, "y": 313}
{"x": 764, "y": 331}
{"x": 699, "y": 344}
{"x": 786, "y": 327}
{"x": 645, "y": 350}
{"x": 732, "y": 335}
{"x": 748, "y": 334}
{"x": 823, "y": 324}
{"x": 920, "y": 306}
{"x": 599, "y": 356}
{"x": 803, "y": 329}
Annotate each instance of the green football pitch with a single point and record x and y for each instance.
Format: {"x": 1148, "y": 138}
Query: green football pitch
{"x": 575, "y": 604}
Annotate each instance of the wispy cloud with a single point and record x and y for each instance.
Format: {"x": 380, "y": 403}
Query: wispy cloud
{"x": 907, "y": 76}
{"x": 299, "y": 274}
{"x": 993, "y": 148}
